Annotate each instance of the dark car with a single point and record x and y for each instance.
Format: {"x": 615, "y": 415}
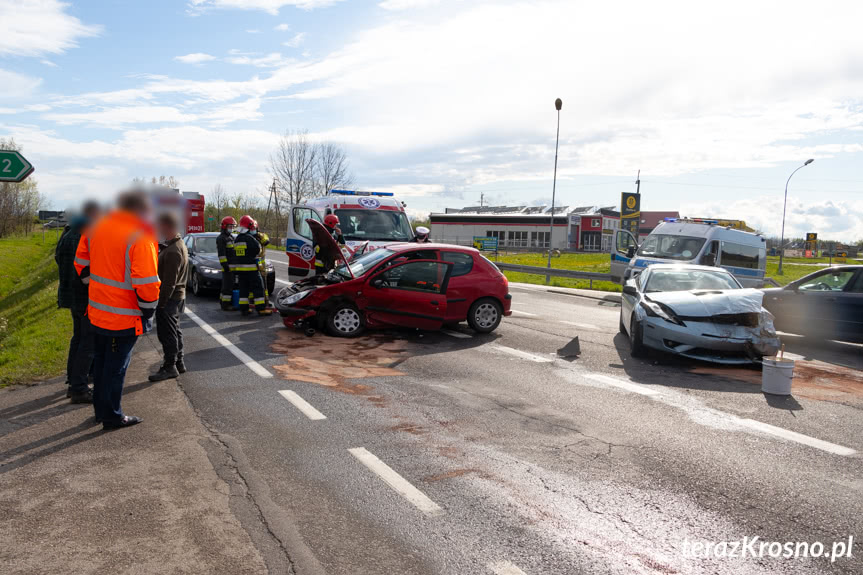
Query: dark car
{"x": 422, "y": 286}
{"x": 205, "y": 271}
{"x": 827, "y": 303}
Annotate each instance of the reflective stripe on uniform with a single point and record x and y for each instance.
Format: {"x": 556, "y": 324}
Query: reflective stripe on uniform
{"x": 145, "y": 281}
{"x": 243, "y": 268}
{"x": 116, "y": 310}
{"x": 223, "y": 259}
{"x": 147, "y": 304}
{"x": 244, "y": 300}
{"x": 260, "y": 300}
{"x": 110, "y": 282}
{"x": 82, "y": 262}
{"x": 227, "y": 297}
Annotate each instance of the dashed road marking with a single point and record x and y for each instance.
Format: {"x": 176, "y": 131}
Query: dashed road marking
{"x": 620, "y": 383}
{"x": 521, "y": 354}
{"x": 523, "y": 313}
{"x": 798, "y": 437}
{"x": 505, "y": 568}
{"x": 399, "y": 484}
{"x": 237, "y": 352}
{"x": 457, "y": 334}
{"x": 287, "y": 283}
{"x": 581, "y": 325}
{"x": 304, "y": 406}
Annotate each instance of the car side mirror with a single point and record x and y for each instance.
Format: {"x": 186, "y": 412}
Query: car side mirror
{"x": 630, "y": 290}
{"x": 378, "y": 283}
{"x": 709, "y": 260}
{"x": 630, "y": 251}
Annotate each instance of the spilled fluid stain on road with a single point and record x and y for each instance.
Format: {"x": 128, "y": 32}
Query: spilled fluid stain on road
{"x": 335, "y": 362}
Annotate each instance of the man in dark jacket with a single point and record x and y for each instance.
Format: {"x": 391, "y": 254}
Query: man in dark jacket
{"x": 173, "y": 270}
{"x": 72, "y": 294}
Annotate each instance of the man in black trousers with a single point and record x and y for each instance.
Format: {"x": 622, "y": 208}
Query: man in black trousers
{"x": 173, "y": 269}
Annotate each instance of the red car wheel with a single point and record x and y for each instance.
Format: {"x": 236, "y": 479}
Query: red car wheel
{"x": 345, "y": 321}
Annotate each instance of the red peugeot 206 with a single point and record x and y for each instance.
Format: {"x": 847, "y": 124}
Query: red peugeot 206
{"x": 422, "y": 286}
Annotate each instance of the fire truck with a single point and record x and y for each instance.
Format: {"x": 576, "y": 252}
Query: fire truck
{"x": 368, "y": 220}
{"x": 189, "y": 207}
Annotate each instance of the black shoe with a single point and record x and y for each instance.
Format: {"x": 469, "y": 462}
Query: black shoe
{"x": 165, "y": 372}
{"x": 180, "y": 365}
{"x": 68, "y": 391}
{"x": 97, "y": 420}
{"x": 83, "y": 397}
{"x": 245, "y": 312}
{"x": 125, "y": 421}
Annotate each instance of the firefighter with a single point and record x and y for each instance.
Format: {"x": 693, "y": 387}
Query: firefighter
{"x": 225, "y": 247}
{"x": 421, "y": 235}
{"x": 245, "y": 265}
{"x": 331, "y": 222}
{"x": 264, "y": 240}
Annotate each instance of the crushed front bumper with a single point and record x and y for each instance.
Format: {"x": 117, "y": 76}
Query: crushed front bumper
{"x": 706, "y": 341}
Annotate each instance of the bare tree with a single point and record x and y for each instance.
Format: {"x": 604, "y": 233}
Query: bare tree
{"x": 219, "y": 200}
{"x": 164, "y": 181}
{"x": 331, "y": 168}
{"x": 293, "y": 166}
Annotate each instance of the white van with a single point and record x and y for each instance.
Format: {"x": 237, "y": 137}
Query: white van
{"x": 368, "y": 220}
{"x": 703, "y": 242}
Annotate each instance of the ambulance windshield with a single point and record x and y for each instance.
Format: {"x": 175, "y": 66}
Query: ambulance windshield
{"x": 359, "y": 225}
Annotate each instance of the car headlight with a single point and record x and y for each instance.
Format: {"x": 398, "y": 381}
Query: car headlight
{"x": 291, "y": 300}
{"x": 210, "y": 270}
{"x": 656, "y": 309}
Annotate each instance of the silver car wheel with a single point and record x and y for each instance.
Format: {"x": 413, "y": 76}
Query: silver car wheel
{"x": 485, "y": 315}
{"x": 346, "y": 320}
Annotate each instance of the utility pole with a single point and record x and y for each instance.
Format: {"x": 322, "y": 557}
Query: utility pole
{"x": 481, "y": 199}
{"x": 784, "y": 205}
{"x": 638, "y": 183}
{"x": 558, "y": 104}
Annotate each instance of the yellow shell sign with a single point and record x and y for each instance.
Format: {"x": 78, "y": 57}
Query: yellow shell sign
{"x": 630, "y": 202}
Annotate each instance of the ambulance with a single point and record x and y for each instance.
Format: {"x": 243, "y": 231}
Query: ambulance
{"x": 368, "y": 220}
{"x": 692, "y": 241}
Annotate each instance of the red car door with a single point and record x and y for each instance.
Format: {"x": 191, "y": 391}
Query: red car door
{"x": 409, "y": 294}
{"x": 462, "y": 289}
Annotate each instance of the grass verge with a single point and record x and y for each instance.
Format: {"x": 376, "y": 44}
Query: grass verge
{"x": 34, "y": 333}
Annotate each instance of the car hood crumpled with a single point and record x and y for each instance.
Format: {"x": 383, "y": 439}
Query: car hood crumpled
{"x": 725, "y": 313}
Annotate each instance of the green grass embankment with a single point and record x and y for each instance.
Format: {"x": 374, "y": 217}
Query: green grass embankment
{"x": 34, "y": 333}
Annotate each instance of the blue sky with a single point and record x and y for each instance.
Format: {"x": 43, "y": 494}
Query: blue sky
{"x": 441, "y": 100}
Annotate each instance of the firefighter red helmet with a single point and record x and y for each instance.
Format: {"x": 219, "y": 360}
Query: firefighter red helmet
{"x": 248, "y": 222}
{"x": 331, "y": 221}
{"x": 228, "y": 221}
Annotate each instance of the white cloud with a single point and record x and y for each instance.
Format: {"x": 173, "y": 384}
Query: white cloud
{"x": 396, "y": 5}
{"x": 38, "y": 27}
{"x": 271, "y": 60}
{"x": 295, "y": 41}
{"x": 282, "y": 27}
{"x": 269, "y": 6}
{"x": 121, "y": 117}
{"x": 15, "y": 86}
{"x": 253, "y": 31}
{"x": 48, "y": 63}
{"x": 195, "y": 58}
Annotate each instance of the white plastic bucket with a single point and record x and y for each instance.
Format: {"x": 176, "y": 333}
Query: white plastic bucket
{"x": 776, "y": 375}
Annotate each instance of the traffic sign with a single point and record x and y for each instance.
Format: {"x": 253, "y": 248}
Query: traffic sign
{"x": 14, "y": 167}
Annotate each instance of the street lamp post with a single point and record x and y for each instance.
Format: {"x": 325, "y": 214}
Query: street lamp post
{"x": 784, "y": 205}
{"x": 558, "y": 104}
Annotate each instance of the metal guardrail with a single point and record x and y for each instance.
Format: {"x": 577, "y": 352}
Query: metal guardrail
{"x": 573, "y": 274}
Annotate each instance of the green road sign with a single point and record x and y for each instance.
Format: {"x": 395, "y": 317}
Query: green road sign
{"x": 14, "y": 167}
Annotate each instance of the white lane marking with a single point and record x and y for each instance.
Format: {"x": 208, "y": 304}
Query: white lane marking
{"x": 798, "y": 437}
{"x": 457, "y": 334}
{"x": 279, "y": 262}
{"x": 238, "y": 353}
{"x": 304, "y": 406}
{"x": 505, "y": 568}
{"x": 579, "y": 324}
{"x": 287, "y": 283}
{"x": 621, "y": 383}
{"x": 521, "y": 354}
{"x": 523, "y": 313}
{"x": 399, "y": 484}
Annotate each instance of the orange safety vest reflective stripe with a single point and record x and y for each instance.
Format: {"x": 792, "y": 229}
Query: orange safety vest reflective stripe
{"x": 120, "y": 258}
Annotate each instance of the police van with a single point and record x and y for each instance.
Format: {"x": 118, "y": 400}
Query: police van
{"x": 368, "y": 220}
{"x": 692, "y": 241}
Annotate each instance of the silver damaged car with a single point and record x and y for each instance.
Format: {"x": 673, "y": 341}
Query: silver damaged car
{"x": 698, "y": 312}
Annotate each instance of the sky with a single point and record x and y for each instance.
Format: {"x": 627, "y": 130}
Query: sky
{"x": 445, "y": 101}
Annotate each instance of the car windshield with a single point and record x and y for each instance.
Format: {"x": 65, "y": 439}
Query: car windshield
{"x": 374, "y": 225}
{"x": 671, "y": 247}
{"x": 685, "y": 280}
{"x": 364, "y": 263}
{"x": 205, "y": 245}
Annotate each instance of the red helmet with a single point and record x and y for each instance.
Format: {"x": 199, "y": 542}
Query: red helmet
{"x": 228, "y": 221}
{"x": 331, "y": 221}
{"x": 248, "y": 222}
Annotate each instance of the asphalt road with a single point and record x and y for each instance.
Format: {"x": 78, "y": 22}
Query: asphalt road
{"x": 450, "y": 452}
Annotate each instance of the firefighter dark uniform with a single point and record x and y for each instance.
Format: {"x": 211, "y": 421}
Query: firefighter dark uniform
{"x": 245, "y": 266}
{"x": 225, "y": 248}
{"x": 264, "y": 240}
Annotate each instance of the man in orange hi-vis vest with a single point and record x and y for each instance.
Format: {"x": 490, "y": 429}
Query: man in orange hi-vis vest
{"x": 118, "y": 259}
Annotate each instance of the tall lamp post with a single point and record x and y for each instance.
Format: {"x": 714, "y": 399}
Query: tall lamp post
{"x": 558, "y": 104}
{"x": 784, "y": 204}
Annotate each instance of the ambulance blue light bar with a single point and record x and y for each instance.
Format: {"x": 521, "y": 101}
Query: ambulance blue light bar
{"x": 357, "y": 193}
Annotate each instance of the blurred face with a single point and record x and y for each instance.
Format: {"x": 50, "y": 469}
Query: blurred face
{"x": 166, "y": 230}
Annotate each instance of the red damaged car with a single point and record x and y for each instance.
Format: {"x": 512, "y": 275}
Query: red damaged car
{"x": 421, "y": 286}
